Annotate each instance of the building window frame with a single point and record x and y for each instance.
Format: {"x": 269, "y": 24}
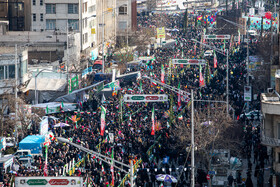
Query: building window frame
{"x": 50, "y": 8}
{"x": 73, "y": 8}
{"x": 34, "y": 17}
{"x": 123, "y": 10}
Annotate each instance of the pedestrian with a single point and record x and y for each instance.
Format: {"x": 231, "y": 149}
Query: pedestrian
{"x": 230, "y": 180}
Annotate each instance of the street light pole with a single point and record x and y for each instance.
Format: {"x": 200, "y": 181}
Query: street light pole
{"x": 227, "y": 85}
{"x": 16, "y": 103}
{"x": 192, "y": 141}
{"x": 103, "y": 25}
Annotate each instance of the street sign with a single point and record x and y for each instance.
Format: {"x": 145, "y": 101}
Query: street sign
{"x": 37, "y": 182}
{"x": 212, "y": 172}
{"x": 216, "y": 37}
{"x": 189, "y": 61}
{"x": 145, "y": 98}
{"x": 208, "y": 177}
{"x": 247, "y": 93}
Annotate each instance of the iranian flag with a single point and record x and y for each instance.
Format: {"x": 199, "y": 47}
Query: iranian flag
{"x": 215, "y": 60}
{"x": 112, "y": 168}
{"x": 201, "y": 79}
{"x": 153, "y": 122}
{"x": 154, "y": 83}
{"x": 103, "y": 114}
{"x": 179, "y": 96}
{"x": 46, "y": 163}
{"x": 162, "y": 73}
{"x": 238, "y": 37}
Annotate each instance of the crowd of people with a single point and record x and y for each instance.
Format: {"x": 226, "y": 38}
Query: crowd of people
{"x": 130, "y": 124}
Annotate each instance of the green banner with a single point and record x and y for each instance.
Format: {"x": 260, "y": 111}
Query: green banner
{"x": 74, "y": 84}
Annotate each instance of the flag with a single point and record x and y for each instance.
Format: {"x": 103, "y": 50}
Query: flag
{"x": 162, "y": 73}
{"x": 103, "y": 99}
{"x": 140, "y": 84}
{"x": 224, "y": 46}
{"x": 130, "y": 119}
{"x": 47, "y": 109}
{"x": 161, "y": 184}
{"x": 46, "y": 163}
{"x": 153, "y": 122}
{"x": 179, "y": 96}
{"x": 112, "y": 168}
{"x": 103, "y": 114}
{"x": 154, "y": 83}
{"x": 238, "y": 37}
{"x": 201, "y": 79}
{"x": 102, "y": 169}
{"x": 215, "y": 60}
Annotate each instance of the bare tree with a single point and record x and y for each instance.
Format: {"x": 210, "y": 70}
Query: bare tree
{"x": 214, "y": 129}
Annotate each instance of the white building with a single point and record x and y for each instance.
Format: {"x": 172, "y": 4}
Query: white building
{"x": 53, "y": 15}
{"x": 7, "y": 68}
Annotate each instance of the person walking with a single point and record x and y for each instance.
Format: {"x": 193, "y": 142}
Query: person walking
{"x": 230, "y": 180}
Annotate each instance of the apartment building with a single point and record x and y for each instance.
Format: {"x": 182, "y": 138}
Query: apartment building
{"x": 77, "y": 15}
{"x": 8, "y": 68}
{"x": 126, "y": 19}
{"x": 270, "y": 129}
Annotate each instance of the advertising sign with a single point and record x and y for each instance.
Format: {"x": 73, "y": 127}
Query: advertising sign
{"x": 189, "y": 61}
{"x": 145, "y": 98}
{"x": 247, "y": 93}
{"x": 44, "y": 126}
{"x": 161, "y": 32}
{"x": 74, "y": 84}
{"x": 215, "y": 37}
{"x": 48, "y": 181}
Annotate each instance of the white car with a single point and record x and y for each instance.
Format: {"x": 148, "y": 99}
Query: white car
{"x": 208, "y": 53}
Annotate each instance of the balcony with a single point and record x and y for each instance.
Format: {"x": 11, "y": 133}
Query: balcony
{"x": 273, "y": 142}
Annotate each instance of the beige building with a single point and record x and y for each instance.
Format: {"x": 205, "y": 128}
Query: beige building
{"x": 106, "y": 24}
{"x": 270, "y": 130}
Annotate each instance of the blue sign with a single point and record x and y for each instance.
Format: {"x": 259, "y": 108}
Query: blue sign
{"x": 212, "y": 172}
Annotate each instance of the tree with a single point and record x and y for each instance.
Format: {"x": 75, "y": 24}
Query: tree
{"x": 213, "y": 129}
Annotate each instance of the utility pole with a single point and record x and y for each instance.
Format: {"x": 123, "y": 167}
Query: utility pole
{"x": 16, "y": 103}
{"x": 192, "y": 141}
{"x": 103, "y": 25}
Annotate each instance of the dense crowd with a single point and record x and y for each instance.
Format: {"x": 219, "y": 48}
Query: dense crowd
{"x": 130, "y": 123}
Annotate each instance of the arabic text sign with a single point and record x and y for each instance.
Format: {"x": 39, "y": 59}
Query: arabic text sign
{"x": 189, "y": 61}
{"x": 48, "y": 181}
{"x": 145, "y": 98}
{"x": 215, "y": 37}
{"x": 161, "y": 32}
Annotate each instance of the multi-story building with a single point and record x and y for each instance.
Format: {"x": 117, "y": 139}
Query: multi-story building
{"x": 8, "y": 68}
{"x": 78, "y": 15}
{"x": 270, "y": 130}
{"x": 126, "y": 19}
{"x": 17, "y": 12}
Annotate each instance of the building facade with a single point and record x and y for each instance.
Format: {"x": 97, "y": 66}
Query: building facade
{"x": 77, "y": 15}
{"x": 8, "y": 68}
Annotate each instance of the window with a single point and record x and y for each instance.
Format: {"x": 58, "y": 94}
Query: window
{"x": 34, "y": 2}
{"x": 122, "y": 25}
{"x": 84, "y": 7}
{"x": 91, "y": 8}
{"x": 85, "y": 23}
{"x": 2, "y": 68}
{"x": 50, "y": 24}
{"x": 23, "y": 67}
{"x": 11, "y": 71}
{"x": 73, "y": 9}
{"x": 50, "y": 9}
{"x": 74, "y": 23}
{"x": 85, "y": 38}
{"x": 34, "y": 17}
{"x": 123, "y": 10}
{"x": 41, "y": 2}
{"x": 41, "y": 17}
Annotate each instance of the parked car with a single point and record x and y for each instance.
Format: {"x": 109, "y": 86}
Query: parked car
{"x": 23, "y": 154}
{"x": 254, "y": 114}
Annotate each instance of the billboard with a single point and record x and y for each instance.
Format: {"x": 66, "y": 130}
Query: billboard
{"x": 145, "y": 98}
{"x": 48, "y": 181}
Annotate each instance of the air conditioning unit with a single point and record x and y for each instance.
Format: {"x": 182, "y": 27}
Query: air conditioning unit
{"x": 270, "y": 90}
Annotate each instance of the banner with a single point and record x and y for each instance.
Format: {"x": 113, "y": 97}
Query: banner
{"x": 162, "y": 73}
{"x": 74, "y": 84}
{"x": 153, "y": 121}
{"x": 48, "y": 181}
{"x": 189, "y": 61}
{"x": 44, "y": 126}
{"x": 215, "y": 60}
{"x": 145, "y": 98}
{"x": 103, "y": 114}
{"x": 201, "y": 79}
{"x": 161, "y": 32}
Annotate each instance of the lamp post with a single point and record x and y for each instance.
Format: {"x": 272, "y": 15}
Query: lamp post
{"x": 221, "y": 52}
